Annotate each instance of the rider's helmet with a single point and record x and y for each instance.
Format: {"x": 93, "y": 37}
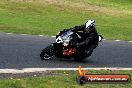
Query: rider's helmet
{"x": 90, "y": 24}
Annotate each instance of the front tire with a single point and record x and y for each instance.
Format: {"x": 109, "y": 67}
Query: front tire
{"x": 47, "y": 53}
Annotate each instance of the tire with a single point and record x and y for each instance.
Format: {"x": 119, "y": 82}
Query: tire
{"x": 47, "y": 53}
{"x": 82, "y": 56}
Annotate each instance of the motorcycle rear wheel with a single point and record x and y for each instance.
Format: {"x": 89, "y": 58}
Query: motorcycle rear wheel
{"x": 47, "y": 53}
{"x": 82, "y": 56}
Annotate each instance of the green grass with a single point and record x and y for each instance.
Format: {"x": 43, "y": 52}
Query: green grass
{"x": 61, "y": 81}
{"x": 113, "y": 17}
{"x": 119, "y": 4}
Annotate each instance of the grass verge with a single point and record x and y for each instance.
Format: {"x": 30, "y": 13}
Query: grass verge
{"x": 47, "y": 17}
{"x": 61, "y": 80}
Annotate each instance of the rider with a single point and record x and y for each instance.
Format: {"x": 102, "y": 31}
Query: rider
{"x": 90, "y": 35}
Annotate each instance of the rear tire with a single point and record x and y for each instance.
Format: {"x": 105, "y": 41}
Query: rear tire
{"x": 82, "y": 56}
{"x": 47, "y": 53}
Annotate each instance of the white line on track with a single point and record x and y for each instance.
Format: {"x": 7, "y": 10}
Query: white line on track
{"x": 103, "y": 39}
{"x": 40, "y": 35}
{"x": 55, "y": 36}
{"x": 129, "y": 41}
{"x": 23, "y": 34}
{"x": 9, "y": 33}
{"x": 27, "y": 70}
{"x": 117, "y": 40}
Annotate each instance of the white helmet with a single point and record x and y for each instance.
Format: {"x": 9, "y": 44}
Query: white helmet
{"x": 90, "y": 24}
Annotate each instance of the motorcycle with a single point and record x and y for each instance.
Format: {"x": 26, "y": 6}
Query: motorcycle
{"x": 65, "y": 47}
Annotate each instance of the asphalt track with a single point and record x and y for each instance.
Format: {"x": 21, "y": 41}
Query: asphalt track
{"x": 22, "y": 51}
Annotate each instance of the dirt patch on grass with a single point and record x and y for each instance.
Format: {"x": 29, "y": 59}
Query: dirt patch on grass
{"x": 28, "y": 74}
{"x": 76, "y": 5}
{"x": 82, "y": 6}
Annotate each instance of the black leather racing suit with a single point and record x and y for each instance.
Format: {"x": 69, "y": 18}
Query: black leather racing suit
{"x": 91, "y": 38}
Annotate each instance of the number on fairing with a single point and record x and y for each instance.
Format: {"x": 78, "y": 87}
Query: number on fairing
{"x": 59, "y": 40}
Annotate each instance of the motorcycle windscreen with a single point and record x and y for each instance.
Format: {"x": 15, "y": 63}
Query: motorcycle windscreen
{"x": 66, "y": 36}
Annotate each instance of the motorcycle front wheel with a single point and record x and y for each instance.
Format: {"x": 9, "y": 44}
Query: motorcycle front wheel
{"x": 47, "y": 53}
